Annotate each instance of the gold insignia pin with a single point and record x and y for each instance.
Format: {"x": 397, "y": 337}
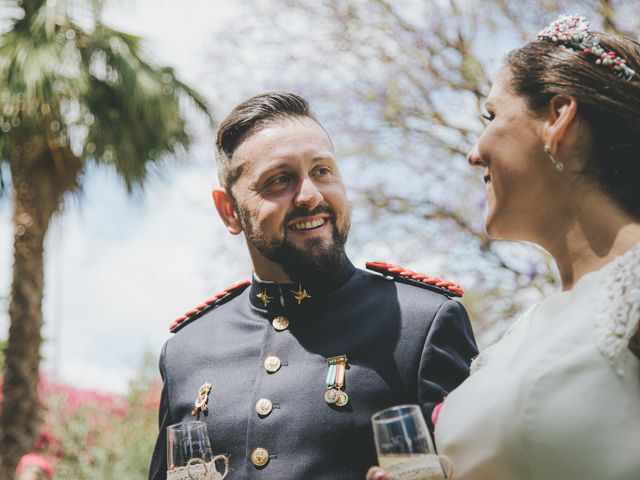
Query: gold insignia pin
{"x": 202, "y": 399}
{"x": 301, "y": 294}
{"x": 264, "y": 298}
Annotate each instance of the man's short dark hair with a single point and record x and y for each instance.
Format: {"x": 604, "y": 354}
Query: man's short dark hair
{"x": 249, "y": 117}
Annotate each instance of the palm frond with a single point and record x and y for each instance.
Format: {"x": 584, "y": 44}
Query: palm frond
{"x": 135, "y": 105}
{"x": 94, "y": 91}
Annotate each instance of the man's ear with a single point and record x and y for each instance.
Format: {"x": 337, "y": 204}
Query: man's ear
{"x": 561, "y": 121}
{"x": 227, "y": 212}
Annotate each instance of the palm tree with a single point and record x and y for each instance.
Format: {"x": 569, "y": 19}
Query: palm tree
{"x": 69, "y": 96}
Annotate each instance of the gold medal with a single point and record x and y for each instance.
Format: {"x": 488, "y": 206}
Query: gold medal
{"x": 331, "y": 395}
{"x": 343, "y": 399}
{"x": 335, "y": 381}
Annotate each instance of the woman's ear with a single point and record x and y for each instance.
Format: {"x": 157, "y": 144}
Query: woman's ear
{"x": 561, "y": 122}
{"x": 226, "y": 210}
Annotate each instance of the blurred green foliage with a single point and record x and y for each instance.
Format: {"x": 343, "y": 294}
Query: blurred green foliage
{"x": 3, "y": 344}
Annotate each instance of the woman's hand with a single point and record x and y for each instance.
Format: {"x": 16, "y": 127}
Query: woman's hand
{"x": 376, "y": 473}
{"x": 434, "y": 470}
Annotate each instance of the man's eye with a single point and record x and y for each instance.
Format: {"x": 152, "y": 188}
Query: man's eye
{"x": 323, "y": 171}
{"x": 279, "y": 180}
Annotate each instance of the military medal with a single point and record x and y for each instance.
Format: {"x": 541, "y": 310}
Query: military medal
{"x": 343, "y": 399}
{"x": 331, "y": 395}
{"x": 335, "y": 381}
{"x": 202, "y": 399}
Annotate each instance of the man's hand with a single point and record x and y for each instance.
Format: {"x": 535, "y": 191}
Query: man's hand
{"x": 376, "y": 473}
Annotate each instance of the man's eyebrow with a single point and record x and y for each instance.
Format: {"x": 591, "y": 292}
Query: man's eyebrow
{"x": 285, "y": 164}
{"x": 233, "y": 174}
{"x": 322, "y": 158}
{"x": 276, "y": 166}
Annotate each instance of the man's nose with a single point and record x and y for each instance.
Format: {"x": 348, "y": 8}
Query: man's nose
{"x": 473, "y": 157}
{"x": 308, "y": 194}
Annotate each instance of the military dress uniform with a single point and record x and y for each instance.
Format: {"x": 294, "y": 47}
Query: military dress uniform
{"x": 267, "y": 351}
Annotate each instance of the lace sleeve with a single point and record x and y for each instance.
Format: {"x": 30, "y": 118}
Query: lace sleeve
{"x": 619, "y": 313}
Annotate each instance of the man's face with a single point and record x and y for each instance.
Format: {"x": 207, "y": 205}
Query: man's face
{"x": 290, "y": 198}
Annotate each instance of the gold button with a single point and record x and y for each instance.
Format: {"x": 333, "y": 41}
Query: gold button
{"x": 272, "y": 364}
{"x": 280, "y": 323}
{"x": 264, "y": 407}
{"x": 260, "y": 457}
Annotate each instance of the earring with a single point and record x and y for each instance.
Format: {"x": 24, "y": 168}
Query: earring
{"x": 556, "y": 163}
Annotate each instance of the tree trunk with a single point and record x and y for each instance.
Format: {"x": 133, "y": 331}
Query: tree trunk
{"x": 19, "y": 415}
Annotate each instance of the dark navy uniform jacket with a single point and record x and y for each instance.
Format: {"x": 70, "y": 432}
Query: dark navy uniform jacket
{"x": 404, "y": 344}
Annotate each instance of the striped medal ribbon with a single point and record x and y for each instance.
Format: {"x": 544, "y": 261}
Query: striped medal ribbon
{"x": 335, "y": 394}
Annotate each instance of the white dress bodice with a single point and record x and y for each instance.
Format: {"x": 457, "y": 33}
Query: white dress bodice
{"x": 559, "y": 396}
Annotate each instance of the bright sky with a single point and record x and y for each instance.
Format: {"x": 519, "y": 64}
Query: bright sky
{"x": 120, "y": 269}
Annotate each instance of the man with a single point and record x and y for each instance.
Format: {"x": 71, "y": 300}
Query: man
{"x": 287, "y": 370}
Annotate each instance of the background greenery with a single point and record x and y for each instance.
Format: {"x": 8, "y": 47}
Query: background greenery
{"x": 88, "y": 435}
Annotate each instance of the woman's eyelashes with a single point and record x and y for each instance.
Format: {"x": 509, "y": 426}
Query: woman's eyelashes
{"x": 488, "y": 116}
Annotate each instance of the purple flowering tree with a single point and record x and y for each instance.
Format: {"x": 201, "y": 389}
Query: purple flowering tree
{"x": 401, "y": 86}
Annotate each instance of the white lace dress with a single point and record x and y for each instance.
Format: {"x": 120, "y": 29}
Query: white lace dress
{"x": 559, "y": 396}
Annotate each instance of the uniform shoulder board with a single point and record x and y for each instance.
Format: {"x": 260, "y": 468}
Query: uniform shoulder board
{"x": 403, "y": 275}
{"x": 222, "y": 297}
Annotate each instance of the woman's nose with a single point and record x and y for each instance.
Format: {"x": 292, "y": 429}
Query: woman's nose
{"x": 473, "y": 157}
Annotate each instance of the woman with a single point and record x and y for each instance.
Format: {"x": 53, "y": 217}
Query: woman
{"x": 559, "y": 396}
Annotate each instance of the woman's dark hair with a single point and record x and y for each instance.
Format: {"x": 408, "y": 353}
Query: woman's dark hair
{"x": 609, "y": 104}
{"x": 249, "y": 117}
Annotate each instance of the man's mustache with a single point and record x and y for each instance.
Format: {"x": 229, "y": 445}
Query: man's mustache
{"x": 301, "y": 212}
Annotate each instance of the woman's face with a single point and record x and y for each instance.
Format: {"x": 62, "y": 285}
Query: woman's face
{"x": 523, "y": 187}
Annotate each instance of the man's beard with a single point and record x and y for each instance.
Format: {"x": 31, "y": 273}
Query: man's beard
{"x": 312, "y": 263}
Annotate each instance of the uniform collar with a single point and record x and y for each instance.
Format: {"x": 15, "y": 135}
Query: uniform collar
{"x": 267, "y": 295}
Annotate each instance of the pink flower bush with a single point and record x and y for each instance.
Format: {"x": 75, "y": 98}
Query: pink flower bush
{"x": 94, "y": 435}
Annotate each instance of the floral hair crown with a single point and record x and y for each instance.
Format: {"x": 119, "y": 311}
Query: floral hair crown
{"x": 572, "y": 31}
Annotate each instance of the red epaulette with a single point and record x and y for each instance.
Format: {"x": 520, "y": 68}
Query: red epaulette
{"x": 222, "y": 297}
{"x": 404, "y": 275}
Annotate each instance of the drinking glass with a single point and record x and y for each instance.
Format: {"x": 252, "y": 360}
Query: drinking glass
{"x": 404, "y": 445}
{"x": 189, "y": 451}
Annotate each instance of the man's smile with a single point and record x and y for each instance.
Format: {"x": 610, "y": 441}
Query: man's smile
{"x": 308, "y": 223}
